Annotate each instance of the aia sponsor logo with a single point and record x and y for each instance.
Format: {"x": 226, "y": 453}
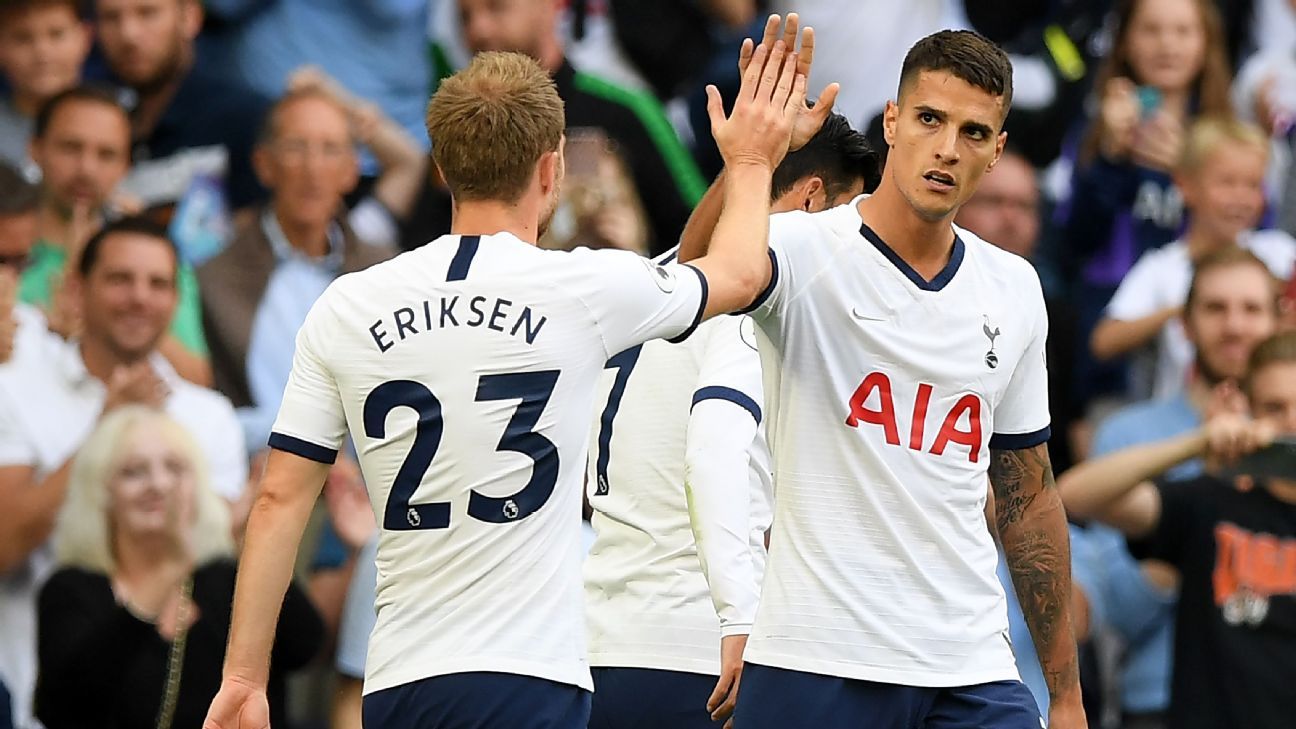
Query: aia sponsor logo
{"x": 952, "y": 428}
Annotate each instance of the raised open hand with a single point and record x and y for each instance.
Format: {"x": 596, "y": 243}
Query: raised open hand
{"x": 760, "y": 127}
{"x": 810, "y": 119}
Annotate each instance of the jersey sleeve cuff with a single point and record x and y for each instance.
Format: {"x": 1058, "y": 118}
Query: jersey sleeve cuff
{"x": 728, "y": 394}
{"x": 769, "y": 288}
{"x": 1019, "y": 441}
{"x": 735, "y": 629}
{"x": 303, "y": 448}
{"x": 702, "y": 304}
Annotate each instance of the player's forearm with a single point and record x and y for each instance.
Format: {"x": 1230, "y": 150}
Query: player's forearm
{"x": 702, "y": 222}
{"x": 274, "y": 532}
{"x": 1033, "y": 529}
{"x": 1090, "y": 488}
{"x": 1114, "y": 337}
{"x": 718, "y": 488}
{"x": 737, "y": 263}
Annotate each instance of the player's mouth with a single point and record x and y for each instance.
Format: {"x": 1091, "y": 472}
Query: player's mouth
{"x": 939, "y": 181}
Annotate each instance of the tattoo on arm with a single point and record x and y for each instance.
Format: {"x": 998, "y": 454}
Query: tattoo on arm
{"x": 1032, "y": 527}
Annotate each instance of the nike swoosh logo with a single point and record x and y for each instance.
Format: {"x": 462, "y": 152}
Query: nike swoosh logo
{"x": 855, "y": 312}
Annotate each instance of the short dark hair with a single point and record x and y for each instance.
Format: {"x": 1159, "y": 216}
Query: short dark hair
{"x": 837, "y": 154}
{"x": 968, "y": 55}
{"x": 85, "y": 92}
{"x": 18, "y": 196}
{"x": 135, "y": 225}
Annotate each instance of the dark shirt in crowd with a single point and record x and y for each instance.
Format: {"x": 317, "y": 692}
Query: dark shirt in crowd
{"x": 1235, "y": 627}
{"x": 100, "y": 666}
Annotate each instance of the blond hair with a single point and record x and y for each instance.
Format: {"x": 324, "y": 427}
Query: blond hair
{"x": 490, "y": 124}
{"x": 83, "y": 536}
{"x": 1208, "y": 134}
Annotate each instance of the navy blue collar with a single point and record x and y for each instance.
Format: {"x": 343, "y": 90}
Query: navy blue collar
{"x": 936, "y": 284}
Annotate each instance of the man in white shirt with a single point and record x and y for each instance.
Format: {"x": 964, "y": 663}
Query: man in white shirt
{"x": 465, "y": 371}
{"x": 50, "y": 404}
{"x": 1221, "y": 174}
{"x": 904, "y": 365}
{"x": 675, "y": 440}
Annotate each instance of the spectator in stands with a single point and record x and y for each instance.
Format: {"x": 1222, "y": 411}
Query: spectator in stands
{"x": 1234, "y": 549}
{"x": 256, "y": 293}
{"x": 665, "y": 175}
{"x": 134, "y": 623}
{"x": 23, "y": 330}
{"x": 192, "y": 128}
{"x": 1221, "y": 174}
{"x": 376, "y": 49}
{"x": 127, "y": 285}
{"x": 82, "y": 146}
{"x": 1166, "y": 67}
{"x": 1231, "y": 307}
{"x": 43, "y": 44}
{"x": 1265, "y": 93}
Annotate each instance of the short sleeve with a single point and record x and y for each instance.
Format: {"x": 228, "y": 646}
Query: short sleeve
{"x": 785, "y": 228}
{"x": 311, "y": 422}
{"x": 1181, "y": 501}
{"x": 634, "y": 300}
{"x": 1021, "y": 419}
{"x": 730, "y": 367}
{"x": 1135, "y": 298}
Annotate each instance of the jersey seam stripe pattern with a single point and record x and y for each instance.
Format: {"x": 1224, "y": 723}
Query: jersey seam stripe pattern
{"x": 463, "y": 258}
{"x": 769, "y": 288}
{"x": 729, "y": 394}
{"x": 1019, "y": 441}
{"x": 941, "y": 280}
{"x": 303, "y": 448}
{"x": 702, "y": 304}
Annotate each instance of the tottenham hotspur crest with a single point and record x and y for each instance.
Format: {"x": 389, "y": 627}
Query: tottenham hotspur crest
{"x": 991, "y": 359}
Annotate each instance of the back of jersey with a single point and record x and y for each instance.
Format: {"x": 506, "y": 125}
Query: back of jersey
{"x": 465, "y": 372}
{"x": 648, "y": 603}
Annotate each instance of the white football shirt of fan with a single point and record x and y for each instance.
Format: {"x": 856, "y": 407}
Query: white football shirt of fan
{"x": 648, "y": 604}
{"x": 884, "y": 394}
{"x": 1160, "y": 279}
{"x": 465, "y": 372}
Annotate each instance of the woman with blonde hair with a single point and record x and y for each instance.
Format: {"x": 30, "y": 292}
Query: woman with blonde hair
{"x": 133, "y": 625}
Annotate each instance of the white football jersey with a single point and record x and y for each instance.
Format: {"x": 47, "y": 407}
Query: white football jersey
{"x": 884, "y": 394}
{"x": 647, "y": 599}
{"x": 465, "y": 372}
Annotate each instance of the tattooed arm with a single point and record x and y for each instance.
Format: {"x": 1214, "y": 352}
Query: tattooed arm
{"x": 1033, "y": 529}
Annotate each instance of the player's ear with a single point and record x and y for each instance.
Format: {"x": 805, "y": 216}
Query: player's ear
{"x": 890, "y": 116}
{"x": 814, "y": 196}
{"x": 1000, "y": 142}
{"x": 549, "y": 171}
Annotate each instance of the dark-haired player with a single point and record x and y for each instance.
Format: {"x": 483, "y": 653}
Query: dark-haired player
{"x": 904, "y": 364}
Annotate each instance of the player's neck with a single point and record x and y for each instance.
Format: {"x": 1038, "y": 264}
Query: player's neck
{"x": 487, "y": 217}
{"x": 923, "y": 244}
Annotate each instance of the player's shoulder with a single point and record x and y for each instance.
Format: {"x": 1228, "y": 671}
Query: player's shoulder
{"x": 1004, "y": 266}
{"x": 837, "y": 222}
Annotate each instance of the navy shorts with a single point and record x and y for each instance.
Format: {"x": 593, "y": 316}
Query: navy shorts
{"x": 775, "y": 698}
{"x": 644, "y": 698}
{"x": 478, "y": 701}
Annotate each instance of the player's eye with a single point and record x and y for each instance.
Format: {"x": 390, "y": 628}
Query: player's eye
{"x": 926, "y": 117}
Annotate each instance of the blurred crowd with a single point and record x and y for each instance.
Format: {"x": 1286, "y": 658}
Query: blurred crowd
{"x": 180, "y": 180}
